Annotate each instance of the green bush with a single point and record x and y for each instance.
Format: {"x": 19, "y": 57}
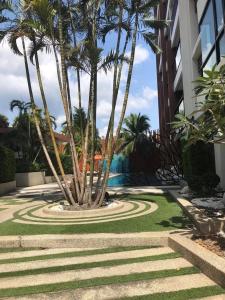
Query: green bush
{"x": 199, "y": 168}
{"x": 66, "y": 162}
{"x": 23, "y": 166}
{"x": 7, "y": 165}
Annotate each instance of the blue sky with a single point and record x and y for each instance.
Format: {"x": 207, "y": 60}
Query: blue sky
{"x": 143, "y": 94}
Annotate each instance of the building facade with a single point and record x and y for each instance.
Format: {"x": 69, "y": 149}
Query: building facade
{"x": 194, "y": 42}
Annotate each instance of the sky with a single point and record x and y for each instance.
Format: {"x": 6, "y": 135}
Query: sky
{"x": 142, "y": 99}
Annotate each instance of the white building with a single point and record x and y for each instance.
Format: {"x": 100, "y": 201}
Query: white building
{"x": 194, "y": 42}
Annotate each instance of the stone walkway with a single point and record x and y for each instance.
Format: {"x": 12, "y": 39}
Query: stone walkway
{"x": 115, "y": 273}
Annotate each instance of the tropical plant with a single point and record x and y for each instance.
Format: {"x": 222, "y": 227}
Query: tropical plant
{"x": 4, "y": 122}
{"x": 22, "y": 106}
{"x": 207, "y": 122}
{"x": 135, "y": 134}
{"x": 75, "y": 32}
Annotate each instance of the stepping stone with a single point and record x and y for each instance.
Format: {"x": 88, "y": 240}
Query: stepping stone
{"x": 31, "y": 253}
{"x": 99, "y": 272}
{"x": 169, "y": 284}
{"x": 38, "y": 264}
{"x": 139, "y": 288}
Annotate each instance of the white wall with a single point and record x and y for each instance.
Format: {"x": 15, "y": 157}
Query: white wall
{"x": 188, "y": 34}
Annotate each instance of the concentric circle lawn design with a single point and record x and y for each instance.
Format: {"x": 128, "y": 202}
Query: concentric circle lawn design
{"x": 47, "y": 215}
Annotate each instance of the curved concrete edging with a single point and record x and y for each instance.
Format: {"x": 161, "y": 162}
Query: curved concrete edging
{"x": 82, "y": 213}
{"x": 127, "y": 210}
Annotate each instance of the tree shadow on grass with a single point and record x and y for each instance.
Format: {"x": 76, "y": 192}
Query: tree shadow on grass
{"x": 178, "y": 222}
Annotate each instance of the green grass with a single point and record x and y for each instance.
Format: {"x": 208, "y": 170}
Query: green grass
{"x": 167, "y": 217}
{"x": 73, "y": 254}
{"x": 96, "y": 282}
{"x": 183, "y": 295}
{"x": 108, "y": 263}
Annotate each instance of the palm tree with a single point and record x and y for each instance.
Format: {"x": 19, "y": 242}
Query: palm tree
{"x": 22, "y": 106}
{"x": 142, "y": 22}
{"x": 135, "y": 133}
{"x": 74, "y": 30}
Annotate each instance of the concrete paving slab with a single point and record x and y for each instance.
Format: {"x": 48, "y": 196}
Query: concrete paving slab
{"x": 31, "y": 265}
{"x": 117, "y": 291}
{"x": 31, "y": 253}
{"x": 53, "y": 278}
{"x": 97, "y": 240}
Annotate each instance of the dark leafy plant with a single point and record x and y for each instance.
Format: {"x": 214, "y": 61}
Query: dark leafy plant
{"x": 7, "y": 165}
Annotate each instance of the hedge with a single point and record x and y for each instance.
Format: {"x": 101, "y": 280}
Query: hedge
{"x": 7, "y": 165}
{"x": 66, "y": 162}
{"x": 199, "y": 168}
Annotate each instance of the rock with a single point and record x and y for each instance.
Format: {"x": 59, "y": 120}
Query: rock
{"x": 183, "y": 183}
{"x": 212, "y": 202}
{"x": 185, "y": 190}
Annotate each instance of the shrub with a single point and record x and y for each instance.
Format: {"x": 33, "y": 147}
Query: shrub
{"x": 7, "y": 165}
{"x": 26, "y": 166}
{"x": 199, "y": 168}
{"x": 66, "y": 162}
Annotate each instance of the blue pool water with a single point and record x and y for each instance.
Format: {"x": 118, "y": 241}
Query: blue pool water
{"x": 132, "y": 179}
{"x": 119, "y": 164}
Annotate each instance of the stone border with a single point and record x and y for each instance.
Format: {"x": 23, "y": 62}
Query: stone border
{"x": 209, "y": 263}
{"x": 205, "y": 224}
{"x": 99, "y": 240}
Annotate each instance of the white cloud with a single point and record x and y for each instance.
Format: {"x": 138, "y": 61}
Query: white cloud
{"x": 141, "y": 55}
{"x": 13, "y": 85}
{"x": 60, "y": 119}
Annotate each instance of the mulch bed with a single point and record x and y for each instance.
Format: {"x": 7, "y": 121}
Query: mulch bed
{"x": 214, "y": 244}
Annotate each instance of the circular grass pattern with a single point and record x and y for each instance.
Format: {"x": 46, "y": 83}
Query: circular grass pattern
{"x": 41, "y": 214}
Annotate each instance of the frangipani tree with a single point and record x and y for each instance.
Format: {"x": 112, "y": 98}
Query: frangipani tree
{"x": 75, "y": 32}
{"x": 207, "y": 122}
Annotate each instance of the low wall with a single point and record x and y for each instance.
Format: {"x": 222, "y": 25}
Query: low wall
{"x": 7, "y": 187}
{"x": 51, "y": 179}
{"x": 206, "y": 225}
{"x": 30, "y": 179}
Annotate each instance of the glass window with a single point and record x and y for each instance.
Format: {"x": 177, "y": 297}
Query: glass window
{"x": 178, "y": 57}
{"x": 207, "y": 29}
{"x": 181, "y": 108}
{"x": 219, "y": 14}
{"x": 222, "y": 45}
{"x": 211, "y": 61}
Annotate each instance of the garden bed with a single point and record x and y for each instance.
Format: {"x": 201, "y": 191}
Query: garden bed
{"x": 214, "y": 244}
{"x": 206, "y": 224}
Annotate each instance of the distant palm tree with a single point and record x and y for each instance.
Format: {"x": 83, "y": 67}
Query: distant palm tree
{"x": 135, "y": 132}
{"x": 23, "y": 107}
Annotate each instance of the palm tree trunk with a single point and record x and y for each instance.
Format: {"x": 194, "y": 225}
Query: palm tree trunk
{"x": 126, "y": 96}
{"x": 47, "y": 115}
{"x": 65, "y": 102}
{"x": 109, "y": 135}
{"x": 37, "y": 121}
{"x": 78, "y": 75}
{"x": 85, "y": 152}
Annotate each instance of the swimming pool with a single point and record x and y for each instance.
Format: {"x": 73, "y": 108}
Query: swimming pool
{"x": 133, "y": 179}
